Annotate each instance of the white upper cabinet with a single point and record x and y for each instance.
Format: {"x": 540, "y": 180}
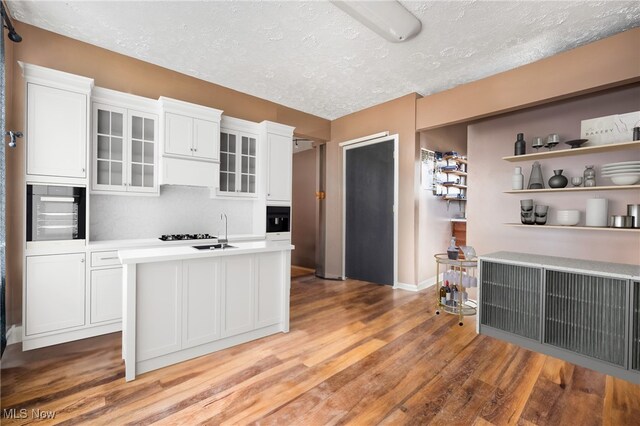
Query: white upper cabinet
{"x": 279, "y": 162}
{"x": 178, "y": 139}
{"x": 190, "y": 137}
{"x": 125, "y": 143}
{"x": 203, "y": 131}
{"x": 239, "y": 154}
{"x": 190, "y": 131}
{"x": 57, "y": 127}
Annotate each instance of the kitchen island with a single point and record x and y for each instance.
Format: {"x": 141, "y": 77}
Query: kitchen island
{"x": 180, "y": 302}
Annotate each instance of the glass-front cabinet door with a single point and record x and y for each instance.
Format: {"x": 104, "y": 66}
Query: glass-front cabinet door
{"x": 238, "y": 159}
{"x": 228, "y": 162}
{"x": 125, "y": 150}
{"x": 109, "y": 125}
{"x": 248, "y": 165}
{"x": 143, "y": 152}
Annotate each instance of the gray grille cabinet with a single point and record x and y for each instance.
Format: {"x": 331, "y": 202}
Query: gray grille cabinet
{"x": 584, "y": 312}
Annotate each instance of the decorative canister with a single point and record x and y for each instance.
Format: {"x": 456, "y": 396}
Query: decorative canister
{"x": 517, "y": 180}
{"x": 634, "y": 211}
{"x": 589, "y": 177}
{"x": 597, "y": 212}
{"x": 558, "y": 180}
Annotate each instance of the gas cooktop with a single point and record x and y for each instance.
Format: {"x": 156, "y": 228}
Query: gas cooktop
{"x": 178, "y": 237}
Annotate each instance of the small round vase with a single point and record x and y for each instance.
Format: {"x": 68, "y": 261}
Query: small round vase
{"x": 558, "y": 180}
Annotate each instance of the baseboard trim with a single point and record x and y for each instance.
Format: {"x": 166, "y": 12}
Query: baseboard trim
{"x": 304, "y": 268}
{"x": 14, "y": 335}
{"x": 419, "y": 287}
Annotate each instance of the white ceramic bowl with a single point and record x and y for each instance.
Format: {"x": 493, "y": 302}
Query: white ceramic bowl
{"x": 625, "y": 179}
{"x": 568, "y": 217}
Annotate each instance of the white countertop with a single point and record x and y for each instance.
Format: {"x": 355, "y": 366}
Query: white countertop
{"x": 168, "y": 253}
{"x": 618, "y": 270}
{"x": 157, "y": 242}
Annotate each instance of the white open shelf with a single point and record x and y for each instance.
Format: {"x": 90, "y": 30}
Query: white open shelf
{"x": 582, "y": 228}
{"x": 574, "y": 189}
{"x": 575, "y": 151}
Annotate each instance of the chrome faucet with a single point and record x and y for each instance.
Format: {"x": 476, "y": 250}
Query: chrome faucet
{"x": 224, "y": 241}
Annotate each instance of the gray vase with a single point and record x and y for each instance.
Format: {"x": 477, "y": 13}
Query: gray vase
{"x": 535, "y": 179}
{"x": 558, "y": 180}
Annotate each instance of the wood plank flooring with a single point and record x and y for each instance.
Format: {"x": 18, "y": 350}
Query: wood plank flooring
{"x": 357, "y": 353}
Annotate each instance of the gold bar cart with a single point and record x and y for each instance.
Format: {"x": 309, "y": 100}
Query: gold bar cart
{"x": 457, "y": 270}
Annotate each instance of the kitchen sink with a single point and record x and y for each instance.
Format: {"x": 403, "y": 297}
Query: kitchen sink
{"x": 214, "y": 247}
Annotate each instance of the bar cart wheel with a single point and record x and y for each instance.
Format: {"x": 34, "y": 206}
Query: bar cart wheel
{"x": 460, "y": 324}
{"x": 437, "y": 312}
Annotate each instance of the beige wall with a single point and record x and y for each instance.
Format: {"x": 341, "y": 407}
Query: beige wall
{"x": 434, "y": 218}
{"x": 596, "y": 66}
{"x": 303, "y": 209}
{"x": 397, "y": 117}
{"x": 489, "y": 208}
{"x": 118, "y": 72}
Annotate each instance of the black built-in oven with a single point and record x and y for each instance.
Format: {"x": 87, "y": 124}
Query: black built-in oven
{"x": 55, "y": 212}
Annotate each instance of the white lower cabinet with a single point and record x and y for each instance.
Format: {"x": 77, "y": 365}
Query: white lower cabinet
{"x": 201, "y": 302}
{"x": 158, "y": 309}
{"x": 54, "y": 293}
{"x": 106, "y": 295}
{"x": 238, "y": 272}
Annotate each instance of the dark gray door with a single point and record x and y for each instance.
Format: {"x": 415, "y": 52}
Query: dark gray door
{"x": 369, "y": 234}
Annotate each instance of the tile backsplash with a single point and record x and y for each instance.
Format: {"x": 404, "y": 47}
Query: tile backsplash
{"x": 178, "y": 210}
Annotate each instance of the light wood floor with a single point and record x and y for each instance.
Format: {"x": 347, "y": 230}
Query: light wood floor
{"x": 357, "y": 353}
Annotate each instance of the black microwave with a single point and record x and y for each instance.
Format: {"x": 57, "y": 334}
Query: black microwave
{"x": 56, "y": 212}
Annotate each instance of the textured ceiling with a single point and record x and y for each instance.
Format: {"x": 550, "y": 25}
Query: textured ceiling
{"x": 313, "y": 57}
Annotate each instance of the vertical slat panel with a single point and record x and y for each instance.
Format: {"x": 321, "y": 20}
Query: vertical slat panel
{"x": 511, "y": 298}
{"x": 586, "y": 314}
{"x": 635, "y": 327}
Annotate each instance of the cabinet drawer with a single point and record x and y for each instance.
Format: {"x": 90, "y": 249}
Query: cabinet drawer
{"x": 105, "y": 258}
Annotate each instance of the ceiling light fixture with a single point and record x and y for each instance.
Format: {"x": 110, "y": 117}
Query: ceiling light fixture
{"x": 389, "y": 19}
{"x": 13, "y": 35}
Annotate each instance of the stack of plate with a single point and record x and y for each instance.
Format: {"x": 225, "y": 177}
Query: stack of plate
{"x": 624, "y": 173}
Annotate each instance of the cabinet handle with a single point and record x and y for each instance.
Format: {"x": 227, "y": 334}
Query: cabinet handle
{"x": 83, "y": 170}
{"x": 195, "y": 149}
{"x": 109, "y": 258}
{"x": 82, "y": 260}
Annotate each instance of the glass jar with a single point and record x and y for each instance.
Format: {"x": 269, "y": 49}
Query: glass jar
{"x": 589, "y": 176}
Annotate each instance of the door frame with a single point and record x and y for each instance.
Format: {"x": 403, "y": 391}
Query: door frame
{"x": 359, "y": 143}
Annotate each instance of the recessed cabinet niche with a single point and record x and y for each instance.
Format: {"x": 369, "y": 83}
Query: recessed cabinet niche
{"x": 124, "y": 144}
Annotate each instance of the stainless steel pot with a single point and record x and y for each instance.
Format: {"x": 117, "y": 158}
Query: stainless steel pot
{"x": 618, "y": 221}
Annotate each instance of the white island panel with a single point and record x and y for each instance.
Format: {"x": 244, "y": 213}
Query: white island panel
{"x": 158, "y": 309}
{"x": 239, "y": 288}
{"x": 181, "y": 303}
{"x": 201, "y": 302}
